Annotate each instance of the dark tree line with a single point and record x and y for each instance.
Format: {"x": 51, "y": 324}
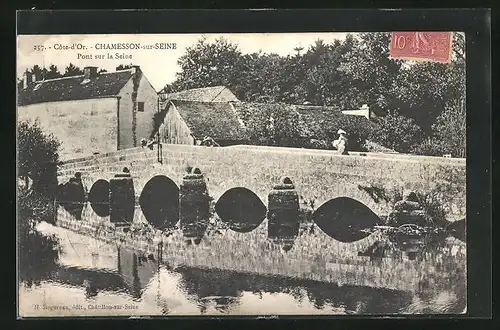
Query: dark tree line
{"x": 424, "y": 100}
{"x": 69, "y": 71}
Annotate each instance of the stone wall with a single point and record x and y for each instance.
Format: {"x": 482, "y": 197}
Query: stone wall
{"x": 82, "y": 126}
{"x": 318, "y": 175}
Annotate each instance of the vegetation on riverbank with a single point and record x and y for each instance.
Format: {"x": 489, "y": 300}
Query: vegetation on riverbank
{"x": 37, "y": 173}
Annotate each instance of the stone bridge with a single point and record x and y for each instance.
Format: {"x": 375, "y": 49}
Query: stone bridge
{"x": 318, "y": 175}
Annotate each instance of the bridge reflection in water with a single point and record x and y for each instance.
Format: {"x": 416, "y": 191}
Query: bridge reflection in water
{"x": 239, "y": 272}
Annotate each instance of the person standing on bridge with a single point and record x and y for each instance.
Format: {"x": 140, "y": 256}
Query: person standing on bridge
{"x": 341, "y": 143}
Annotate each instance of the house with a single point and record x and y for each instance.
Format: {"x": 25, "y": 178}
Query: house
{"x": 205, "y": 94}
{"x": 189, "y": 122}
{"x": 91, "y": 113}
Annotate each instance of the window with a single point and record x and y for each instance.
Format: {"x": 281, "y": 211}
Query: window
{"x": 140, "y": 106}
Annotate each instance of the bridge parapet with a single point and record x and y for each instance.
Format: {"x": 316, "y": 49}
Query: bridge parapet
{"x": 318, "y": 175}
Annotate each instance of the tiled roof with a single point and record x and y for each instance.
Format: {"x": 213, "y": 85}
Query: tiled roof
{"x": 206, "y": 94}
{"x": 71, "y": 88}
{"x": 214, "y": 119}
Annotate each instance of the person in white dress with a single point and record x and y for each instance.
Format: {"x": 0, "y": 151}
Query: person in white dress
{"x": 341, "y": 143}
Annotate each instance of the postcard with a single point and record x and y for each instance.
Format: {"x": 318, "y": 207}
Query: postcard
{"x": 242, "y": 174}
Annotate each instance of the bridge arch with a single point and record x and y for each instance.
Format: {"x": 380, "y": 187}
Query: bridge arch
{"x": 99, "y": 197}
{"x": 241, "y": 209}
{"x": 159, "y": 201}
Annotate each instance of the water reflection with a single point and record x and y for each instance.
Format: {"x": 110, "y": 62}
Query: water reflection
{"x": 241, "y": 209}
{"x": 71, "y": 196}
{"x": 432, "y": 269}
{"x": 75, "y": 209}
{"x": 283, "y": 229}
{"x": 344, "y": 219}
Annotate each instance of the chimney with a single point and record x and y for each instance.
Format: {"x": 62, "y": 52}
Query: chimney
{"x": 136, "y": 69}
{"x": 27, "y": 79}
{"x": 37, "y": 76}
{"x": 89, "y": 72}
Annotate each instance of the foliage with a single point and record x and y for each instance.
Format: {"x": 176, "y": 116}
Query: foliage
{"x": 451, "y": 130}
{"x": 124, "y": 67}
{"x": 275, "y": 125}
{"x": 38, "y": 252}
{"x": 371, "y": 73}
{"x": 210, "y": 64}
{"x": 449, "y": 134}
{"x": 72, "y": 70}
{"x": 430, "y": 202}
{"x": 397, "y": 132}
{"x": 346, "y": 74}
{"x": 358, "y": 131}
{"x": 429, "y": 147}
{"x": 433, "y": 207}
{"x": 426, "y": 89}
{"x": 51, "y": 73}
{"x": 37, "y": 158}
{"x": 54, "y": 73}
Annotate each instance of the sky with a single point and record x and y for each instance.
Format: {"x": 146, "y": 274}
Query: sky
{"x": 159, "y": 66}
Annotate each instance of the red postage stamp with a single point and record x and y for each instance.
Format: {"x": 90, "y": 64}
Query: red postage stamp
{"x": 423, "y": 46}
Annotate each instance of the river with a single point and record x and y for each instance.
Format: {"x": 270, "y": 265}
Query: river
{"x": 95, "y": 278}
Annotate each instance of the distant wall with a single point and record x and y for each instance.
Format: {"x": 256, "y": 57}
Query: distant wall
{"x": 361, "y": 112}
{"x": 82, "y": 126}
{"x": 318, "y": 175}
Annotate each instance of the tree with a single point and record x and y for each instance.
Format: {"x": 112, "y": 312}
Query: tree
{"x": 397, "y": 132}
{"x": 53, "y": 72}
{"x": 211, "y": 64}
{"x": 275, "y": 125}
{"x": 37, "y": 158}
{"x": 37, "y": 161}
{"x": 124, "y": 67}
{"x": 451, "y": 129}
{"x": 38, "y": 73}
{"x": 72, "y": 70}
{"x": 325, "y": 81}
{"x": 261, "y": 78}
{"x": 371, "y": 72}
{"x": 425, "y": 89}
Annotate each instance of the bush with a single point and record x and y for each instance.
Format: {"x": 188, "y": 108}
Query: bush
{"x": 38, "y": 253}
{"x": 396, "y": 132}
{"x": 358, "y": 131}
{"x": 451, "y": 130}
{"x": 37, "y": 162}
{"x": 37, "y": 158}
{"x": 430, "y": 147}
